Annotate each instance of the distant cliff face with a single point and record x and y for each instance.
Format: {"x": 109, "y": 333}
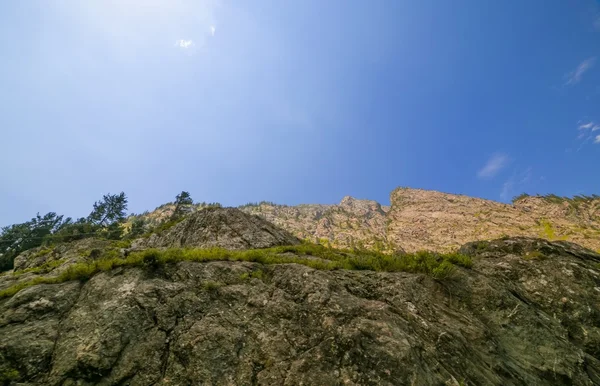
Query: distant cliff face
{"x": 352, "y": 223}
{"x": 425, "y": 219}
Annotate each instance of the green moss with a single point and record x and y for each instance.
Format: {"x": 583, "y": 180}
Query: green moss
{"x": 9, "y": 375}
{"x": 437, "y": 265}
{"x": 122, "y": 244}
{"x": 481, "y": 245}
{"x": 547, "y": 230}
{"x": 534, "y": 255}
{"x": 212, "y": 286}
{"x": 324, "y": 241}
{"x": 44, "y": 268}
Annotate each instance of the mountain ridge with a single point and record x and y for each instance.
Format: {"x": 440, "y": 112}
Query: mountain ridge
{"x": 428, "y": 219}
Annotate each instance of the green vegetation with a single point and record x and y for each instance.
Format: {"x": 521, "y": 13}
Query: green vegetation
{"x": 268, "y": 203}
{"x": 481, "y": 245}
{"x": 212, "y": 286}
{"x": 573, "y": 202}
{"x": 104, "y": 221}
{"x": 534, "y": 255}
{"x": 547, "y": 230}
{"x": 8, "y": 376}
{"x": 520, "y": 197}
{"x": 183, "y": 205}
{"x": 138, "y": 228}
{"x": 258, "y": 274}
{"x": 204, "y": 205}
{"x": 163, "y": 227}
{"x": 44, "y": 268}
{"x": 17, "y": 238}
{"x": 439, "y": 266}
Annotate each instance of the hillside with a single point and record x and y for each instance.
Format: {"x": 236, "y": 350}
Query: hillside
{"x": 513, "y": 311}
{"x": 422, "y": 219}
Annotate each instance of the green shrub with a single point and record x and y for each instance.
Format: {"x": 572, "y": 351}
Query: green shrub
{"x": 8, "y": 376}
{"x": 481, "y": 245}
{"x": 212, "y": 286}
{"x": 444, "y": 270}
{"x": 458, "y": 259}
{"x": 519, "y": 197}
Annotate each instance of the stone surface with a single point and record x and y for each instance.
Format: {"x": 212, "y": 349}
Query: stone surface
{"x": 228, "y": 228}
{"x": 527, "y": 313}
{"x": 425, "y": 219}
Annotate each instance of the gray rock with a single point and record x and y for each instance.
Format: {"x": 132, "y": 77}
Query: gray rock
{"x": 511, "y": 320}
{"x": 228, "y": 228}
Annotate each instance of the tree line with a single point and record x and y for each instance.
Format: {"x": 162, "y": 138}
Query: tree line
{"x": 105, "y": 221}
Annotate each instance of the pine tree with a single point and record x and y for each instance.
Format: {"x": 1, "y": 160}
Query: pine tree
{"x": 183, "y": 205}
{"x": 109, "y": 210}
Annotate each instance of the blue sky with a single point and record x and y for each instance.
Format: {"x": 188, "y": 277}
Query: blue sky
{"x": 299, "y": 101}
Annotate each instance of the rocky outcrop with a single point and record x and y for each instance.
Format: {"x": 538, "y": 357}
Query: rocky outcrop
{"x": 527, "y": 313}
{"x": 425, "y": 219}
{"x": 228, "y": 228}
{"x": 440, "y": 221}
{"x": 352, "y": 223}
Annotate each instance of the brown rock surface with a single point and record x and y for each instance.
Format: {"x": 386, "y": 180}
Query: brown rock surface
{"x": 424, "y": 219}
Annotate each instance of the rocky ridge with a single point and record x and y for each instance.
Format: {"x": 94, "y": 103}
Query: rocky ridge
{"x": 527, "y": 312}
{"x": 228, "y": 228}
{"x": 422, "y": 219}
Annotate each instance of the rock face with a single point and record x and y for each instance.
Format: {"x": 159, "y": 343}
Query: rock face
{"x": 352, "y": 223}
{"x": 228, "y": 228}
{"x": 424, "y": 219}
{"x": 527, "y": 313}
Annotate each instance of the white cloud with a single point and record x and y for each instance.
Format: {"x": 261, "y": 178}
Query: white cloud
{"x": 585, "y": 134}
{"x": 212, "y": 30}
{"x": 496, "y": 163}
{"x": 507, "y": 187}
{"x": 185, "y": 44}
{"x": 575, "y": 76}
{"x": 516, "y": 181}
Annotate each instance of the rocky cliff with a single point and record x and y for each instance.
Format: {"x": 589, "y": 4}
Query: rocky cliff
{"x": 526, "y": 313}
{"x": 220, "y": 227}
{"x": 422, "y": 219}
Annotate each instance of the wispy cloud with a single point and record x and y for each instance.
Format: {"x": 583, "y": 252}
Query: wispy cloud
{"x": 496, "y": 163}
{"x": 518, "y": 180}
{"x": 585, "y": 133}
{"x": 212, "y": 30}
{"x": 575, "y": 76}
{"x": 185, "y": 44}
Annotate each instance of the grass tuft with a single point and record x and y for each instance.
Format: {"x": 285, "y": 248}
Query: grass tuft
{"x": 437, "y": 265}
